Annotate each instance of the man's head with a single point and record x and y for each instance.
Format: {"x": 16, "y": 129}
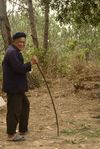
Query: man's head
{"x": 19, "y": 40}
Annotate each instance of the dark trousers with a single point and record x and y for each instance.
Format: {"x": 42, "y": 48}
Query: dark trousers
{"x": 17, "y": 112}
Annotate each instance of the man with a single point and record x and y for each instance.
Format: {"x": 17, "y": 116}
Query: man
{"x": 15, "y": 85}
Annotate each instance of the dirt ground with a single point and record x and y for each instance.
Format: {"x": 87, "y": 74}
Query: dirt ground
{"x": 79, "y": 120}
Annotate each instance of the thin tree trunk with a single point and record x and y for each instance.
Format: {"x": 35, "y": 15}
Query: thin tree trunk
{"x": 31, "y": 13}
{"x": 4, "y": 24}
{"x": 46, "y": 27}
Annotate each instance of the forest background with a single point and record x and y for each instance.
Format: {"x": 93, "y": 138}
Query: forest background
{"x": 65, "y": 35}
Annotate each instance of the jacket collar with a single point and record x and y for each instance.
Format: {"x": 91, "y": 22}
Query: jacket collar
{"x": 16, "y": 48}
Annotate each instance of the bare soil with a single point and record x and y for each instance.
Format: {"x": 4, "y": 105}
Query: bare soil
{"x": 79, "y": 119}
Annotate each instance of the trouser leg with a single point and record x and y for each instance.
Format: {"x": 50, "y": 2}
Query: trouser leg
{"x": 14, "y": 108}
{"x": 24, "y": 117}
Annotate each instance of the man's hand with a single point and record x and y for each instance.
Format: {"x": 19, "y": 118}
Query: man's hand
{"x": 34, "y": 60}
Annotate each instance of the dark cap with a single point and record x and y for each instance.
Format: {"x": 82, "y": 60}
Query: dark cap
{"x": 18, "y": 35}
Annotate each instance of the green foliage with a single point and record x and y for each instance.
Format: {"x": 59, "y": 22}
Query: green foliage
{"x": 45, "y": 2}
{"x": 72, "y": 45}
{"x": 67, "y": 43}
{"x": 84, "y": 11}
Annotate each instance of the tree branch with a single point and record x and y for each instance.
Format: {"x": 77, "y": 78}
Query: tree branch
{"x": 18, "y": 4}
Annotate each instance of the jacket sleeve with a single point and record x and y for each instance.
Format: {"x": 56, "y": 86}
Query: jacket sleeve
{"x": 16, "y": 65}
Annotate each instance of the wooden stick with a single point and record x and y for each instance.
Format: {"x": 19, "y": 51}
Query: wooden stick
{"x": 56, "y": 116}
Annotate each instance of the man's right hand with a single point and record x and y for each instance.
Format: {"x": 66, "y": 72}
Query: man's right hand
{"x": 34, "y": 60}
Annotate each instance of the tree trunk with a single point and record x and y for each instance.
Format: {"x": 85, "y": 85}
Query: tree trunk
{"x": 31, "y": 13}
{"x": 46, "y": 27}
{"x": 4, "y": 24}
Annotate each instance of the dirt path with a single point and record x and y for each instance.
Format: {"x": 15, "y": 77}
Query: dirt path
{"x": 79, "y": 119}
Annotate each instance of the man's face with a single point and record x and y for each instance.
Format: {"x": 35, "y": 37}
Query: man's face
{"x": 20, "y": 43}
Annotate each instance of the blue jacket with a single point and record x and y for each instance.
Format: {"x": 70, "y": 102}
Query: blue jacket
{"x": 14, "y": 71}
